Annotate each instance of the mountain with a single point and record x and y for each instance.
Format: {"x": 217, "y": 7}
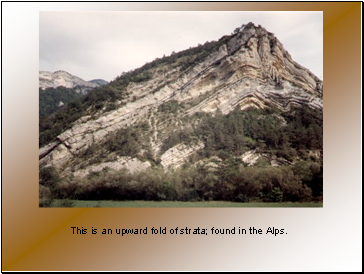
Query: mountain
{"x": 233, "y": 119}
{"x": 63, "y": 78}
{"x": 99, "y": 82}
{"x": 59, "y": 88}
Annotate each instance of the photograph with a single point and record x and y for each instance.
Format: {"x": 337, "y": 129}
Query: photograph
{"x": 181, "y": 136}
{"x": 180, "y": 109}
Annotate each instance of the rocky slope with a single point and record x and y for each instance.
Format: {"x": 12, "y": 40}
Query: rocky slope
{"x": 250, "y": 69}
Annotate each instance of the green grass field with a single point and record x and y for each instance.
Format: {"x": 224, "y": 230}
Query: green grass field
{"x": 78, "y": 203}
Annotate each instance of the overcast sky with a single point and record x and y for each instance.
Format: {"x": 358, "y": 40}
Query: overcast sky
{"x": 102, "y": 45}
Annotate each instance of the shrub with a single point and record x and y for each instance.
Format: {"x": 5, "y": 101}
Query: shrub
{"x": 242, "y": 198}
{"x": 111, "y": 106}
{"x": 49, "y": 177}
{"x": 295, "y": 191}
{"x": 44, "y": 192}
{"x": 171, "y": 106}
{"x": 275, "y": 195}
{"x": 46, "y": 202}
{"x": 125, "y": 142}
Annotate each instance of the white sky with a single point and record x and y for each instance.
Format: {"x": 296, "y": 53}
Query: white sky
{"x": 102, "y": 45}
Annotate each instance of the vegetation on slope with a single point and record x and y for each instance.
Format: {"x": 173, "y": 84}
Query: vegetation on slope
{"x": 50, "y": 98}
{"x": 231, "y": 180}
{"x": 240, "y": 131}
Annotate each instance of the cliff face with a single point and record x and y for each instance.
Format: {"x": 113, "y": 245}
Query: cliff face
{"x": 250, "y": 69}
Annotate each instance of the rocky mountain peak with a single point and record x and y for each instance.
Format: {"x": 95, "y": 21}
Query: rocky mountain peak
{"x": 263, "y": 52}
{"x": 58, "y": 78}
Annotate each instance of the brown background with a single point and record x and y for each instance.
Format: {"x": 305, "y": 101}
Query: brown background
{"x": 327, "y": 238}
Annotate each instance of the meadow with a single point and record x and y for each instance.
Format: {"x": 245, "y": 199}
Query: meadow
{"x": 176, "y": 204}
